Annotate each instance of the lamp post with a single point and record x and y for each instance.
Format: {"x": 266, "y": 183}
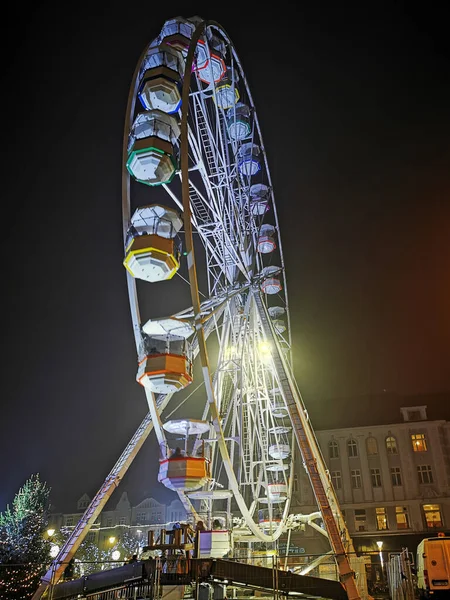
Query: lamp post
{"x": 380, "y": 546}
{"x": 139, "y": 532}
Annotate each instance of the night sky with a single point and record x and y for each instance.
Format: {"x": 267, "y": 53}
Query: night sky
{"x": 353, "y": 103}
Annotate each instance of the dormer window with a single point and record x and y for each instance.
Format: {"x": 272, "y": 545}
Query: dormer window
{"x": 414, "y": 413}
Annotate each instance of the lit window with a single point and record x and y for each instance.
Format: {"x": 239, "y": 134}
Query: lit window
{"x": 396, "y": 476}
{"x": 372, "y": 446}
{"x": 375, "y": 476}
{"x": 418, "y": 442}
{"x": 432, "y": 514}
{"x": 391, "y": 445}
{"x": 333, "y": 449}
{"x": 352, "y": 448}
{"x": 401, "y": 516}
{"x": 336, "y": 479}
{"x": 360, "y": 519}
{"x": 381, "y": 519}
{"x": 425, "y": 474}
{"x": 356, "y": 478}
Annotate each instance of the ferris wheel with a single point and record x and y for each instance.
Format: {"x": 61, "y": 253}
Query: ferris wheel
{"x": 211, "y": 182}
{"x": 198, "y": 206}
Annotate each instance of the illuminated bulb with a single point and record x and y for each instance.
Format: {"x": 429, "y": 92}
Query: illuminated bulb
{"x": 264, "y": 348}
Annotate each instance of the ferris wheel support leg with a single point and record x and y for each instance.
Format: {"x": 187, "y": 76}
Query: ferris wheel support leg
{"x": 312, "y": 457}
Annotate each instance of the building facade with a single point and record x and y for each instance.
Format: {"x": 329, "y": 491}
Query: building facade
{"x": 392, "y": 482}
{"x": 123, "y": 518}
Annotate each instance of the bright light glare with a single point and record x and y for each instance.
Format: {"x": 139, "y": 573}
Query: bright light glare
{"x": 50, "y": 532}
{"x": 264, "y": 351}
{"x": 112, "y": 539}
{"x": 115, "y": 555}
{"x": 54, "y": 550}
{"x": 264, "y": 347}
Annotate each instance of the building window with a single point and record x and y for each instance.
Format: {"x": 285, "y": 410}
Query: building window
{"x": 70, "y": 521}
{"x": 122, "y": 520}
{"x": 381, "y": 519}
{"x": 401, "y": 516}
{"x": 391, "y": 445}
{"x": 141, "y": 518}
{"x": 336, "y": 479}
{"x": 372, "y": 446}
{"x": 424, "y": 473}
{"x": 356, "y": 478}
{"x": 333, "y": 449}
{"x": 360, "y": 519}
{"x": 375, "y": 476}
{"x": 396, "y": 476}
{"x": 432, "y": 514}
{"x": 91, "y": 537}
{"x": 419, "y": 443}
{"x": 109, "y": 522}
{"x": 414, "y": 415}
{"x": 352, "y": 448}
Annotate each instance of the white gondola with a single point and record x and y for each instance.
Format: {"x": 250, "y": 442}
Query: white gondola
{"x": 266, "y": 242}
{"x": 210, "y": 65}
{"x": 153, "y": 248}
{"x": 152, "y": 145}
{"x": 165, "y": 365}
{"x": 238, "y": 122}
{"x": 249, "y": 162}
{"x": 160, "y": 79}
{"x": 270, "y": 283}
{"x": 178, "y": 469}
{"x": 177, "y": 33}
{"x": 226, "y": 92}
{"x": 259, "y": 199}
{"x": 277, "y": 490}
{"x": 279, "y": 451}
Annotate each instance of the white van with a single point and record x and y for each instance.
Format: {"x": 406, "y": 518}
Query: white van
{"x": 433, "y": 567}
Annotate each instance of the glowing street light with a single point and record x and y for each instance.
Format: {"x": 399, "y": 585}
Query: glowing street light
{"x": 115, "y": 555}
{"x": 380, "y": 546}
{"x": 112, "y": 539}
{"x": 50, "y": 532}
